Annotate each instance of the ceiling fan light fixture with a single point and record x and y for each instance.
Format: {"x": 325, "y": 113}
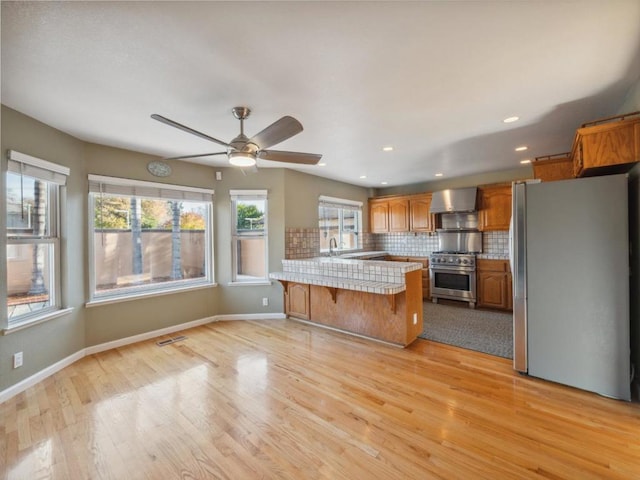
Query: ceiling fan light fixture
{"x": 241, "y": 159}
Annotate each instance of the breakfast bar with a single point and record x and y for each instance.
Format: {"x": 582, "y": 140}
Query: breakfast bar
{"x": 371, "y": 298}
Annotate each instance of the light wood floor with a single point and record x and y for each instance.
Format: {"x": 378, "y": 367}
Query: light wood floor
{"x": 281, "y": 399}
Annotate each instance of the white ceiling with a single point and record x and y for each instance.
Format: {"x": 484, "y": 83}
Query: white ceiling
{"x": 432, "y": 79}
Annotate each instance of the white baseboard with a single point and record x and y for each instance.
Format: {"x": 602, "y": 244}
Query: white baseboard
{"x": 121, "y": 342}
{"x": 39, "y": 376}
{"x": 21, "y": 386}
{"x": 251, "y": 316}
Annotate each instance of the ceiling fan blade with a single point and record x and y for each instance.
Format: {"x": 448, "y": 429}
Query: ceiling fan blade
{"x": 184, "y": 128}
{"x": 277, "y": 132}
{"x": 182, "y": 157}
{"x": 290, "y": 157}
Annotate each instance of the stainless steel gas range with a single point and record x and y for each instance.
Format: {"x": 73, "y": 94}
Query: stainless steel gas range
{"x": 453, "y": 276}
{"x": 452, "y": 270}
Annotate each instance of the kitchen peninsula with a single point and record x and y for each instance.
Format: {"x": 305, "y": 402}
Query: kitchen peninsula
{"x": 376, "y": 299}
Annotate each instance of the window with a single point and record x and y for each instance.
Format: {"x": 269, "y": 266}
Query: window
{"x": 148, "y": 237}
{"x": 249, "y": 232}
{"x": 341, "y": 220}
{"x": 34, "y": 190}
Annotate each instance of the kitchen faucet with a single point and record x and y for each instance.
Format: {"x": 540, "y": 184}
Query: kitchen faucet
{"x": 333, "y": 243}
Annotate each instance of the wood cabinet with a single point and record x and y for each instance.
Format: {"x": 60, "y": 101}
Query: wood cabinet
{"x": 426, "y": 285}
{"x": 553, "y": 167}
{"x": 297, "y": 300}
{"x": 406, "y": 213}
{"x": 494, "y": 284}
{"x": 420, "y": 219}
{"x": 389, "y": 215}
{"x": 399, "y": 214}
{"x": 378, "y": 215}
{"x": 610, "y": 145}
{"x": 494, "y": 207}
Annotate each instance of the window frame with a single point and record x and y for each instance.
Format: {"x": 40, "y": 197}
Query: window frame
{"x": 55, "y": 176}
{"x": 124, "y": 187}
{"x": 342, "y": 205}
{"x": 248, "y": 195}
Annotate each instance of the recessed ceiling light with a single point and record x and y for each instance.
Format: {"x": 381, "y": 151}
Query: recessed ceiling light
{"x": 363, "y": 176}
{"x": 439, "y": 174}
{"x": 383, "y": 183}
{"x": 522, "y": 148}
{"x": 511, "y": 119}
{"x": 526, "y": 160}
{"x": 388, "y": 148}
{"x": 322, "y": 164}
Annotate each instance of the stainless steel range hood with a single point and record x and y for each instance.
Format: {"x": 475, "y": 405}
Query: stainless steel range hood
{"x": 454, "y": 200}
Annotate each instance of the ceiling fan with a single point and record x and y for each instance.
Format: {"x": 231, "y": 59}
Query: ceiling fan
{"x": 243, "y": 151}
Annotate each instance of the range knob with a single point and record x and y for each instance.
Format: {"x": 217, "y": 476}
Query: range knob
{"x": 458, "y": 261}
{"x": 465, "y": 261}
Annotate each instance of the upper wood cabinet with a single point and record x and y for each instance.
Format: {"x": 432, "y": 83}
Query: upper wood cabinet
{"x": 420, "y": 220}
{"x": 494, "y": 207}
{"x": 378, "y": 215}
{"x": 606, "y": 146}
{"x": 553, "y": 167}
{"x": 399, "y": 214}
{"x": 403, "y": 213}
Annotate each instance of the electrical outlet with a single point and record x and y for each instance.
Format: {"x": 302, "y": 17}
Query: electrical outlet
{"x": 415, "y": 318}
{"x": 17, "y": 360}
{"x": 265, "y": 302}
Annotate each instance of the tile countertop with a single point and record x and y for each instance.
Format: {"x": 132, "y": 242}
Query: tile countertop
{"x": 380, "y": 277}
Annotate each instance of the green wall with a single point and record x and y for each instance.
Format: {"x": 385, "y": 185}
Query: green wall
{"x": 50, "y": 342}
{"x": 105, "y": 323}
{"x": 301, "y": 198}
{"x": 292, "y": 203}
{"x": 45, "y": 344}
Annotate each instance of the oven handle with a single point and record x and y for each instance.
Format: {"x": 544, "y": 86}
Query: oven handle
{"x": 443, "y": 268}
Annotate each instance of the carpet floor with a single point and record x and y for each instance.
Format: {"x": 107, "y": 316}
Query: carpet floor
{"x": 479, "y": 330}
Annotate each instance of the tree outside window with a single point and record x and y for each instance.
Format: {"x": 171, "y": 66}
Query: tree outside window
{"x": 249, "y": 230}
{"x": 145, "y": 243}
{"x": 33, "y": 259}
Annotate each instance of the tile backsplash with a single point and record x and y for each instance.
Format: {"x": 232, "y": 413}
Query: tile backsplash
{"x": 301, "y": 242}
{"x": 305, "y": 243}
{"x": 495, "y": 245}
{"x": 410, "y": 244}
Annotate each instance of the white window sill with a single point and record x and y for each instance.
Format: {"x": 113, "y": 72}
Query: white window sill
{"x": 137, "y": 296}
{"x": 32, "y": 322}
{"x": 249, "y": 283}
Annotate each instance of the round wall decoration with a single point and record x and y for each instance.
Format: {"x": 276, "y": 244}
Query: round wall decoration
{"x": 159, "y": 169}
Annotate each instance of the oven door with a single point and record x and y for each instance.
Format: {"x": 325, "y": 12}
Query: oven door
{"x": 457, "y": 283}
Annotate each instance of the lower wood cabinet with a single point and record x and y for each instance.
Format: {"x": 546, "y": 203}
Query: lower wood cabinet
{"x": 494, "y": 284}
{"x": 426, "y": 285}
{"x": 297, "y": 300}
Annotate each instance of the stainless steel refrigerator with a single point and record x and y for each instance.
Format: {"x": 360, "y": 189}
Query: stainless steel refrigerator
{"x": 570, "y": 266}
